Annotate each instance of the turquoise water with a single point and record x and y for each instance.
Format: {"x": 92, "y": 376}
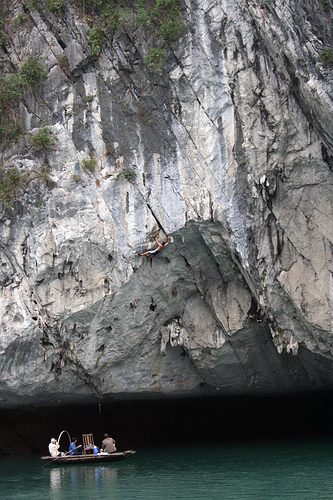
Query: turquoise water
{"x": 297, "y": 470}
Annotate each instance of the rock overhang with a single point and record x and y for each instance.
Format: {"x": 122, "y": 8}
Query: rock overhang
{"x": 220, "y": 151}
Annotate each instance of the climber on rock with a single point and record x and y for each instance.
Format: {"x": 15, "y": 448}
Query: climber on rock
{"x": 155, "y": 251}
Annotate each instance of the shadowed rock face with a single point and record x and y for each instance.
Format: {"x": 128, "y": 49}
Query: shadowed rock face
{"x": 229, "y": 150}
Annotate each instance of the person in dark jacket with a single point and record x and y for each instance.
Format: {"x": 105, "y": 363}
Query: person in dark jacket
{"x": 108, "y": 444}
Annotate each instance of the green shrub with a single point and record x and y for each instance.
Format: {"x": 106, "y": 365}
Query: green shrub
{"x": 95, "y": 39}
{"x": 114, "y": 16}
{"x": 44, "y": 139}
{"x": 10, "y": 181}
{"x": 12, "y": 133}
{"x": 89, "y": 165}
{"x": 171, "y": 30}
{"x": 11, "y": 91}
{"x": 34, "y": 4}
{"x": 43, "y": 174}
{"x": 326, "y": 56}
{"x": 33, "y": 73}
{"x": 142, "y": 14}
{"x": 20, "y": 19}
{"x": 4, "y": 12}
{"x": 92, "y": 6}
{"x": 99, "y": 8}
{"x": 63, "y": 63}
{"x": 56, "y": 6}
{"x": 126, "y": 174}
{"x": 162, "y": 17}
{"x": 13, "y": 85}
{"x": 155, "y": 59}
{"x": 167, "y": 16}
{"x": 90, "y": 98}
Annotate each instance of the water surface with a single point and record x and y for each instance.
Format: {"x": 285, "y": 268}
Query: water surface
{"x": 294, "y": 470}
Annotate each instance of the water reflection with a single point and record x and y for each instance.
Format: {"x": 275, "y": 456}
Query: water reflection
{"x": 82, "y": 477}
{"x": 55, "y": 479}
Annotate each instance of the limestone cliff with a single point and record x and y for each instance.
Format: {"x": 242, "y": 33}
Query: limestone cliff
{"x": 224, "y": 143}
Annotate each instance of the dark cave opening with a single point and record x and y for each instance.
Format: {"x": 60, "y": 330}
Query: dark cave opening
{"x": 171, "y": 422}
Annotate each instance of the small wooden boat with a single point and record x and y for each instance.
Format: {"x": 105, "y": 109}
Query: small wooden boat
{"x": 89, "y": 459}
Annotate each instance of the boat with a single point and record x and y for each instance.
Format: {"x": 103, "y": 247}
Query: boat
{"x": 89, "y": 459}
{"x": 88, "y": 456}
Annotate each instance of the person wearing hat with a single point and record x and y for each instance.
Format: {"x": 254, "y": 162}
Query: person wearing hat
{"x": 53, "y": 448}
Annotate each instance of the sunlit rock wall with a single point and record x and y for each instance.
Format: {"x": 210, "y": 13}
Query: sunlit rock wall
{"x": 231, "y": 150}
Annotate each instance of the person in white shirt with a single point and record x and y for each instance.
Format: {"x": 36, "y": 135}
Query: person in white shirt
{"x": 53, "y": 448}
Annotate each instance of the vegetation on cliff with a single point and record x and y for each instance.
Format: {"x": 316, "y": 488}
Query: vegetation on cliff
{"x": 12, "y": 87}
{"x": 163, "y": 17}
{"x": 10, "y": 181}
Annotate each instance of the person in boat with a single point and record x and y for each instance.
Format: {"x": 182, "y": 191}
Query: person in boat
{"x": 74, "y": 449}
{"x": 53, "y": 448}
{"x": 108, "y": 444}
{"x": 157, "y": 250}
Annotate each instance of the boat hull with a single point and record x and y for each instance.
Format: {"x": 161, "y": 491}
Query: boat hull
{"x": 89, "y": 459}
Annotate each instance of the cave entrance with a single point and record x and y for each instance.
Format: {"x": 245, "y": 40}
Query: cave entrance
{"x": 171, "y": 422}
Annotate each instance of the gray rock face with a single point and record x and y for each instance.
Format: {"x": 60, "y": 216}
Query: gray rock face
{"x": 229, "y": 151}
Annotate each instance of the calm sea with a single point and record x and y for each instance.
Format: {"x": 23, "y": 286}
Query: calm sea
{"x": 294, "y": 470}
